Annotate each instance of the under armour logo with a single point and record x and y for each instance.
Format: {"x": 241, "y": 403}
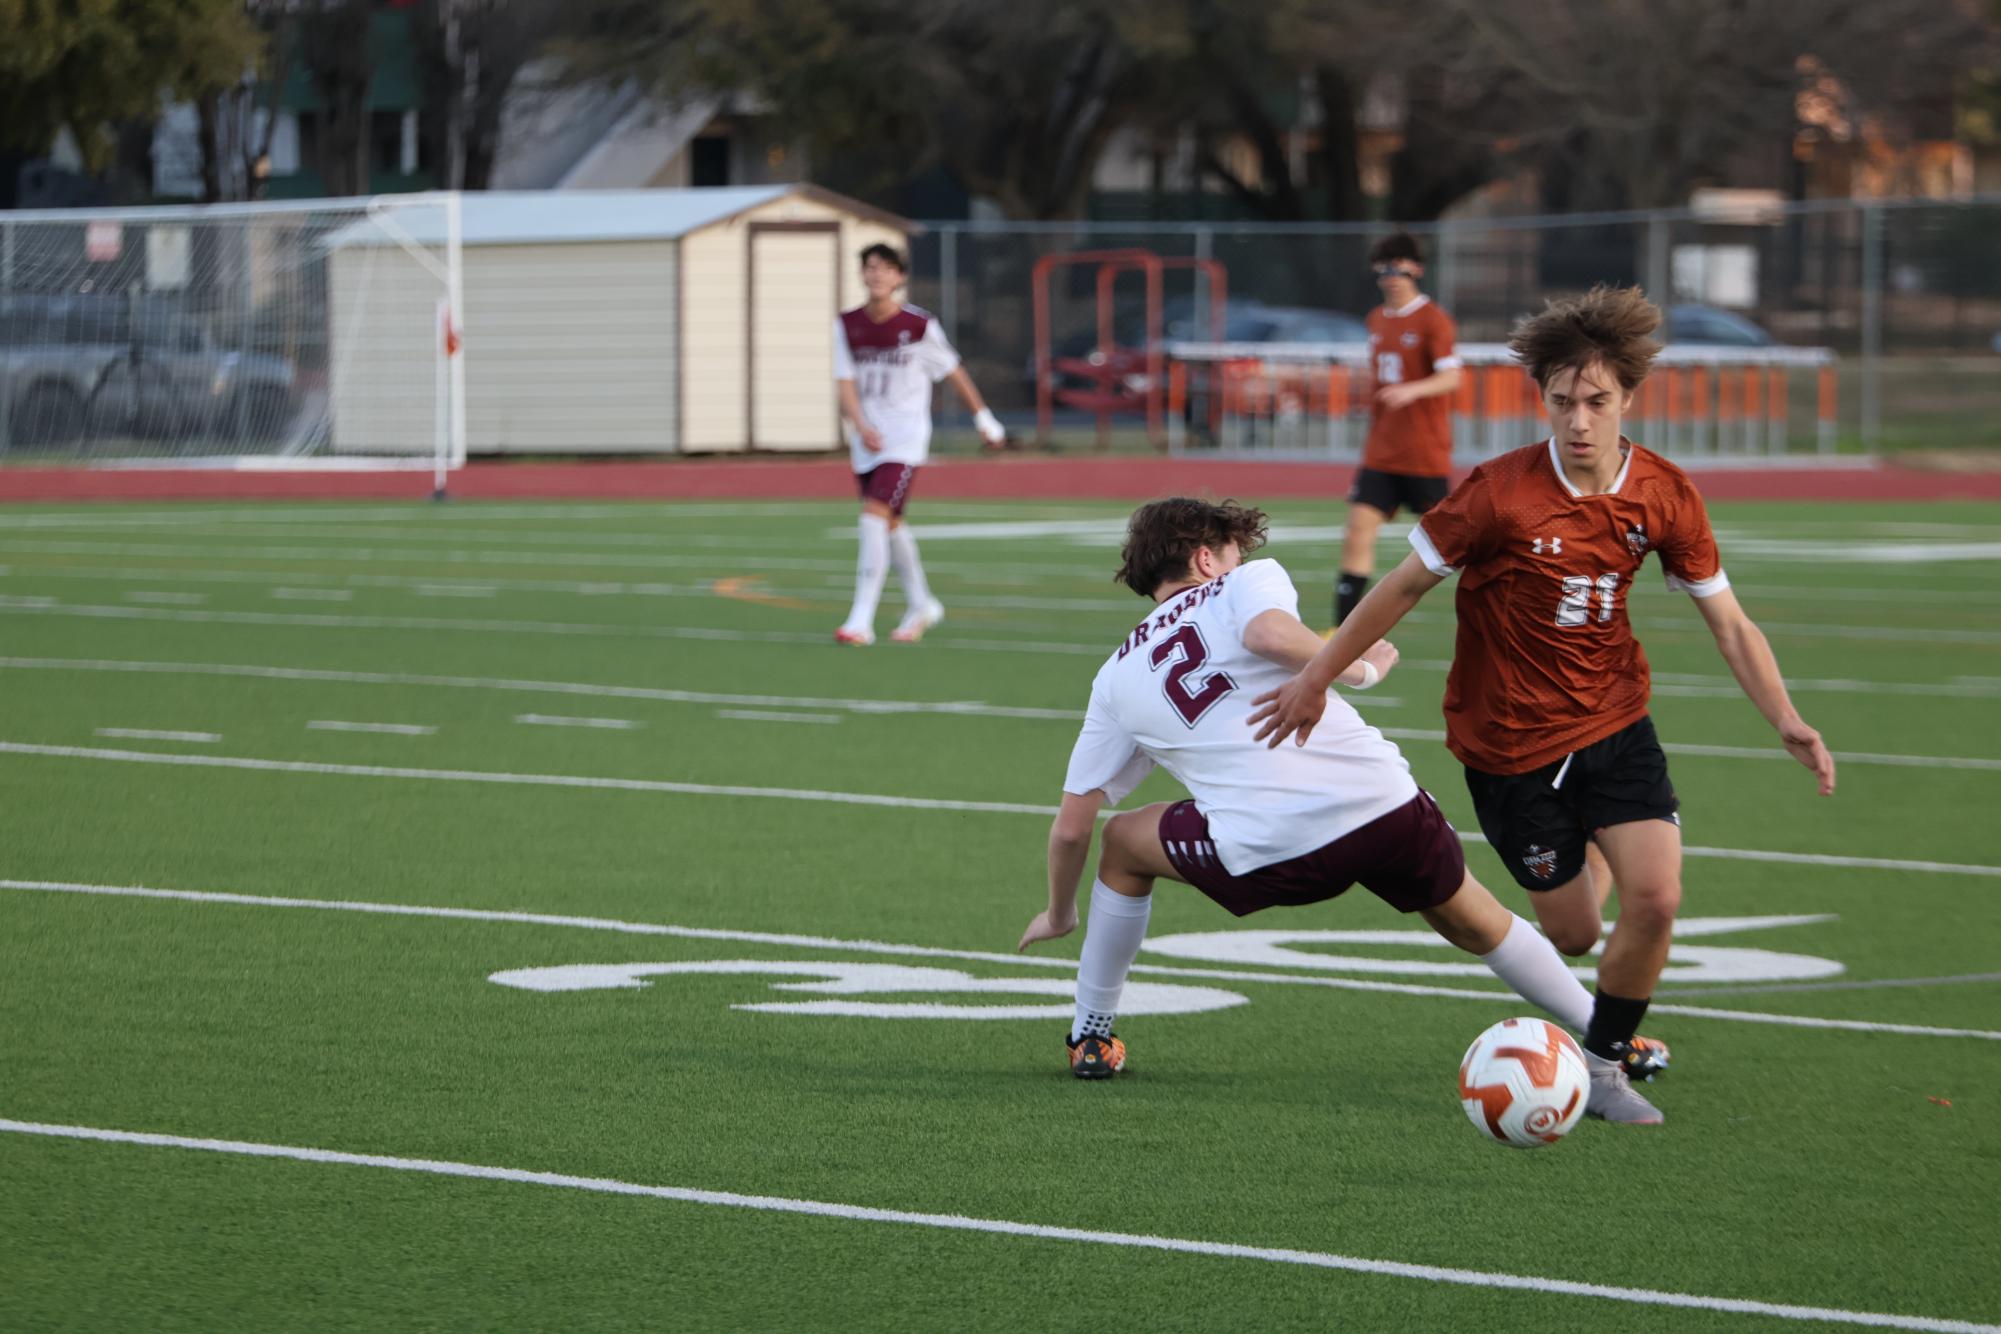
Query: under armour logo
{"x": 1554, "y": 545}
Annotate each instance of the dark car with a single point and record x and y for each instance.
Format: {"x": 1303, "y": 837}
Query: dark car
{"x": 1709, "y": 326}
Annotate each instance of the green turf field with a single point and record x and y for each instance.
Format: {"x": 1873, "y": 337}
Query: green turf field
{"x": 613, "y": 719}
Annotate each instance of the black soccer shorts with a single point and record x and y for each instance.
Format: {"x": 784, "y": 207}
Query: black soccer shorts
{"x": 1388, "y": 490}
{"x": 1540, "y": 821}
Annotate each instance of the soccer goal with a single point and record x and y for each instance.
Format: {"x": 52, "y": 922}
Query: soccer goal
{"x": 318, "y": 334}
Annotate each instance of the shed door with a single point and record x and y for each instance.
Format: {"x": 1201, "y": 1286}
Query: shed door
{"x": 794, "y": 276}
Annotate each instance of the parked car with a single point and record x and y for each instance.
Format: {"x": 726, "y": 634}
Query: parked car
{"x": 1710, "y": 326}
{"x": 115, "y": 367}
{"x": 1244, "y": 322}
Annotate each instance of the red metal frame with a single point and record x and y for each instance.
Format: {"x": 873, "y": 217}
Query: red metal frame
{"x": 1112, "y": 263}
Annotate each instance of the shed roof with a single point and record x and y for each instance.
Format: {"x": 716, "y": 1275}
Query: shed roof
{"x": 514, "y": 217}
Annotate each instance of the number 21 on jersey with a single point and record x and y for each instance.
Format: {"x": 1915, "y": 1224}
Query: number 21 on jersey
{"x": 1185, "y": 649}
{"x": 1575, "y": 608}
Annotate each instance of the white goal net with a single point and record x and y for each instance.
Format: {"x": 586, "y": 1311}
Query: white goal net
{"x": 314, "y": 335}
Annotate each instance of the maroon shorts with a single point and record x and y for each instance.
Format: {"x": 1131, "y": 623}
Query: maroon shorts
{"x": 1410, "y": 859}
{"x": 888, "y": 483}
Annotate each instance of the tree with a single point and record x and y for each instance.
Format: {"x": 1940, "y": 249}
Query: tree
{"x": 471, "y": 54}
{"x": 93, "y": 65}
{"x": 1017, "y": 101}
{"x": 1633, "y": 103}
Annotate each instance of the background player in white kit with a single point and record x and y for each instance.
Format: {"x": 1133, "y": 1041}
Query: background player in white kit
{"x": 886, "y": 358}
{"x": 1259, "y": 830}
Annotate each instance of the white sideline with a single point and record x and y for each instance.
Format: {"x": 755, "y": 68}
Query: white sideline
{"x": 1474, "y": 1278}
{"x": 794, "y": 941}
{"x": 818, "y": 794}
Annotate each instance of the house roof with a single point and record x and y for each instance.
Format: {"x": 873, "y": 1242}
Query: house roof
{"x": 514, "y": 217}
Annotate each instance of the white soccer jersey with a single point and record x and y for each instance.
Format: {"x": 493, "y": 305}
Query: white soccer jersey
{"x": 893, "y": 364}
{"x": 1178, "y": 694}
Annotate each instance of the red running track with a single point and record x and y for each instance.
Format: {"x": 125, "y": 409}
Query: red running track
{"x": 822, "y": 478}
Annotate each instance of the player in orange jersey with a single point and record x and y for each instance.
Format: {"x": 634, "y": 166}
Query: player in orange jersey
{"x": 1546, "y": 705}
{"x": 1412, "y": 369}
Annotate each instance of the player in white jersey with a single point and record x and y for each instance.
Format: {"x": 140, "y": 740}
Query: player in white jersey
{"x": 1262, "y": 828}
{"x": 886, "y": 358}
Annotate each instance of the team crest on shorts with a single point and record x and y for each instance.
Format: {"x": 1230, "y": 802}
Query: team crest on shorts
{"x": 1636, "y": 539}
{"x": 1541, "y": 861}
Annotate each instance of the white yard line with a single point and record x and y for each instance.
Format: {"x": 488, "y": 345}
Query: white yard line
{"x": 434, "y": 590}
{"x": 969, "y": 708}
{"x": 763, "y": 716}
{"x": 1872, "y": 984}
{"x": 964, "y": 709}
{"x": 167, "y": 599}
{"x": 561, "y": 720}
{"x": 1472, "y": 1278}
{"x": 313, "y": 594}
{"x": 391, "y": 729}
{"x": 153, "y": 734}
{"x": 820, "y": 795}
{"x": 794, "y": 941}
{"x": 51, "y": 607}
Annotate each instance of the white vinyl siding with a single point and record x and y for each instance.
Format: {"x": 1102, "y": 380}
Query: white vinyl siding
{"x": 570, "y": 348}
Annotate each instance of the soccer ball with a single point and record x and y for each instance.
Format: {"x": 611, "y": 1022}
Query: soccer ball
{"x": 1524, "y": 1083}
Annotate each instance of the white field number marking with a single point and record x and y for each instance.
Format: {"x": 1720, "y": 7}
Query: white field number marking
{"x": 1686, "y": 963}
{"x": 865, "y": 979}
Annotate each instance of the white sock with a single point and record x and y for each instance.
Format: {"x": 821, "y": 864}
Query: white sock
{"x": 1112, "y": 938}
{"x": 909, "y": 570}
{"x": 1526, "y": 961}
{"x": 871, "y": 568}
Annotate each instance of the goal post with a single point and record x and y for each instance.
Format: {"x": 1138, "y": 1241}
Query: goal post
{"x": 299, "y": 335}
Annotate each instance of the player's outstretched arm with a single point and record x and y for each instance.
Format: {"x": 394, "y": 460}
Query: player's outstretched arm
{"x": 1069, "y": 848}
{"x": 1296, "y": 706}
{"x": 984, "y": 420}
{"x": 1744, "y": 646}
{"x": 1280, "y": 637}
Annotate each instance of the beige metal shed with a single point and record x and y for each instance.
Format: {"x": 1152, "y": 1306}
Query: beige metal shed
{"x": 618, "y": 321}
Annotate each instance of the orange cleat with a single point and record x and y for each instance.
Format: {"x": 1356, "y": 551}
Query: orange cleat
{"x": 1094, "y": 1057}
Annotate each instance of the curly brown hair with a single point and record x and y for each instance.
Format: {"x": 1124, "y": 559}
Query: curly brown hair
{"x": 1163, "y": 537}
{"x": 1609, "y": 325}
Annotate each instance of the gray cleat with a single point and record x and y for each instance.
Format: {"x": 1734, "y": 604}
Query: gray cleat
{"x": 1613, "y": 1097}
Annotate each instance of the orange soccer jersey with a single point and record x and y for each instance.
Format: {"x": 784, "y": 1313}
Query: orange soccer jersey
{"x": 1546, "y": 662}
{"x": 1406, "y": 345}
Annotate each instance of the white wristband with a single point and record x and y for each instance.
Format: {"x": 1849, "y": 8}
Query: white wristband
{"x": 989, "y": 426}
{"x": 1369, "y": 675}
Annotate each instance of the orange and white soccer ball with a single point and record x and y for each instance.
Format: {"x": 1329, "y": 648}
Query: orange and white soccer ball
{"x": 1524, "y": 1083}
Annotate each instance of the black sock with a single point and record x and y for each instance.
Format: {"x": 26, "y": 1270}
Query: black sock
{"x": 1614, "y": 1019}
{"x": 1348, "y": 590}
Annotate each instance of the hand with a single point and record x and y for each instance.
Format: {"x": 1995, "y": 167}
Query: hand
{"x": 990, "y": 428}
{"x": 1394, "y": 396}
{"x": 1382, "y": 655}
{"x": 1047, "y": 927}
{"x": 870, "y": 437}
{"x": 1294, "y": 706}
{"x": 1805, "y": 745}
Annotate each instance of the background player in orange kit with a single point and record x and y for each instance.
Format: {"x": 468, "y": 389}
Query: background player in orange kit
{"x": 1408, "y": 455}
{"x": 1546, "y": 704}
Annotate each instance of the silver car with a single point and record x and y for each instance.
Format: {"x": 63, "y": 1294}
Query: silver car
{"x": 110, "y": 370}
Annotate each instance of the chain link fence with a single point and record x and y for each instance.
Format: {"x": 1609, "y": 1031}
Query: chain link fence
{"x": 1905, "y": 293}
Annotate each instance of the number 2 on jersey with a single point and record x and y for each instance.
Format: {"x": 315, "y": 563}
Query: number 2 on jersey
{"x": 1188, "y": 701}
{"x": 1575, "y": 608}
